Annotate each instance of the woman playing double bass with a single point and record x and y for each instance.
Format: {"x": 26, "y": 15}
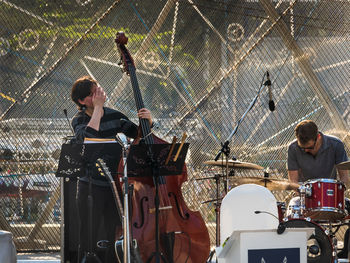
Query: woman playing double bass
{"x": 94, "y": 120}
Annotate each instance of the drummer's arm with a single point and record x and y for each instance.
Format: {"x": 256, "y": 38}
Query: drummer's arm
{"x": 344, "y": 177}
{"x": 293, "y": 176}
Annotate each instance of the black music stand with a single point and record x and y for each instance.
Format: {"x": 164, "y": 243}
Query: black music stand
{"x": 70, "y": 163}
{"x": 141, "y": 164}
{"x": 79, "y": 160}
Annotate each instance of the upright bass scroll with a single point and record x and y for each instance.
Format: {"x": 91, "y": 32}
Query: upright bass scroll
{"x": 183, "y": 234}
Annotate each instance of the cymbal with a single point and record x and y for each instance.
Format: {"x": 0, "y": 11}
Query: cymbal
{"x": 22, "y": 161}
{"x": 212, "y": 200}
{"x": 217, "y": 176}
{"x": 344, "y": 165}
{"x": 269, "y": 183}
{"x": 235, "y": 164}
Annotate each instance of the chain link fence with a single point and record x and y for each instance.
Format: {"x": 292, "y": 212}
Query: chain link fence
{"x": 200, "y": 64}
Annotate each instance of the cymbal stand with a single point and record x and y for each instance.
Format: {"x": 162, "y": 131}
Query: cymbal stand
{"x": 217, "y": 216}
{"x": 217, "y": 209}
{"x": 225, "y": 173}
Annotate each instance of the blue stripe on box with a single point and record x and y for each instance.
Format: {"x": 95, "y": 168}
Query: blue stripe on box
{"x": 275, "y": 255}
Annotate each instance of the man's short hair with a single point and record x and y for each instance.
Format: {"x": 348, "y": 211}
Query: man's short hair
{"x": 82, "y": 88}
{"x": 305, "y": 131}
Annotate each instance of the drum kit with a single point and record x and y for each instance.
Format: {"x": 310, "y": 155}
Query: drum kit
{"x": 319, "y": 204}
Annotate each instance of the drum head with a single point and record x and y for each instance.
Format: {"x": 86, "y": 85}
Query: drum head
{"x": 319, "y": 239}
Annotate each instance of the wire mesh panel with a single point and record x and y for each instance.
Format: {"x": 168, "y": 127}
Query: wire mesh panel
{"x": 200, "y": 65}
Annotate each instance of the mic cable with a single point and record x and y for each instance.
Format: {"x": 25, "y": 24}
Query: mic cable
{"x": 281, "y": 226}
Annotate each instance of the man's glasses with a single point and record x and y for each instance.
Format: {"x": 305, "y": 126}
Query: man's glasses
{"x": 310, "y": 147}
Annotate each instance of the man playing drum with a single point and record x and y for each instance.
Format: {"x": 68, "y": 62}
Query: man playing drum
{"x": 313, "y": 155}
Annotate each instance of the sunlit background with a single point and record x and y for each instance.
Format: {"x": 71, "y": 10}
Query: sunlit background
{"x": 200, "y": 65}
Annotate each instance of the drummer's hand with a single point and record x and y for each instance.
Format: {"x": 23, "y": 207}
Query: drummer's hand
{"x": 344, "y": 177}
{"x": 145, "y": 114}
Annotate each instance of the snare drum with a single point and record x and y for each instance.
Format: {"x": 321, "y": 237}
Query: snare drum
{"x": 324, "y": 199}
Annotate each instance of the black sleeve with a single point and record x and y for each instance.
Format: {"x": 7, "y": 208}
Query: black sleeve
{"x": 82, "y": 131}
{"x": 129, "y": 128}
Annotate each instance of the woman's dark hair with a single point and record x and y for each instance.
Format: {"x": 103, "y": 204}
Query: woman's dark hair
{"x": 81, "y": 89}
{"x": 306, "y": 131}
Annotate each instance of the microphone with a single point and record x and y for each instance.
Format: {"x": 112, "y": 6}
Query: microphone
{"x": 69, "y": 124}
{"x": 281, "y": 226}
{"x": 265, "y": 212}
{"x": 268, "y": 84}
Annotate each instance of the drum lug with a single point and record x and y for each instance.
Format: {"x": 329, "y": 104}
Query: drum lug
{"x": 308, "y": 191}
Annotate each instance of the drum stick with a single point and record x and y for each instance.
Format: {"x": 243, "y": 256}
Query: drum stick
{"x": 184, "y": 136}
{"x": 171, "y": 150}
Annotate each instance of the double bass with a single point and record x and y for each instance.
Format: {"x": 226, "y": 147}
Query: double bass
{"x": 182, "y": 233}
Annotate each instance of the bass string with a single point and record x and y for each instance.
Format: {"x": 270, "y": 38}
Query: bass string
{"x": 164, "y": 200}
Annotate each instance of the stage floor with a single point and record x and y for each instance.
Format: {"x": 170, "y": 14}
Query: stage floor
{"x": 39, "y": 257}
{"x": 47, "y": 257}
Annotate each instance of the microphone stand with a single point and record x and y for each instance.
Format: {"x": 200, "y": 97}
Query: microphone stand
{"x": 126, "y": 227}
{"x": 225, "y": 148}
{"x": 90, "y": 255}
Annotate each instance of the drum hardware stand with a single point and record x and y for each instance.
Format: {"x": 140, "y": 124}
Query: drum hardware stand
{"x": 302, "y": 191}
{"x": 331, "y": 234}
{"x": 267, "y": 173}
{"x": 217, "y": 217}
{"x": 217, "y": 209}
{"x": 334, "y": 242}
